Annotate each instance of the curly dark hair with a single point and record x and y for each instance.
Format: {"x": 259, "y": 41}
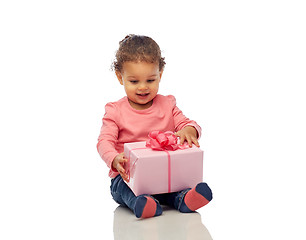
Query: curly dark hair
{"x": 137, "y": 48}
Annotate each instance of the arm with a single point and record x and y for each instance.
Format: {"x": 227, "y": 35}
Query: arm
{"x": 186, "y": 129}
{"x": 108, "y": 137}
{"x": 107, "y": 143}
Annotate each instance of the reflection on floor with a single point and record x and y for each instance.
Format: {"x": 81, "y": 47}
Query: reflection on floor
{"x": 170, "y": 225}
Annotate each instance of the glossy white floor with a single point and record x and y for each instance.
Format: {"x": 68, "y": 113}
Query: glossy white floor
{"x": 171, "y": 225}
{"x": 236, "y": 67}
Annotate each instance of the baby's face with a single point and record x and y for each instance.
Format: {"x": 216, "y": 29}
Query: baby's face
{"x": 141, "y": 83}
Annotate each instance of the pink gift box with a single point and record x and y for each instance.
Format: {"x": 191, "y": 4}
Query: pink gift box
{"x": 154, "y": 172}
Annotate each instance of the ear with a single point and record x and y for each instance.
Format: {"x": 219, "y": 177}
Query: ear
{"x": 160, "y": 74}
{"x": 119, "y": 77}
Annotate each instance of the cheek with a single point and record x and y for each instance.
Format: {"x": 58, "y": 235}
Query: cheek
{"x": 129, "y": 88}
{"x": 156, "y": 86}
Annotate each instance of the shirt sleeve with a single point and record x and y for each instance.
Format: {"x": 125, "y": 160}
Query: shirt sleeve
{"x": 180, "y": 120}
{"x": 108, "y": 136}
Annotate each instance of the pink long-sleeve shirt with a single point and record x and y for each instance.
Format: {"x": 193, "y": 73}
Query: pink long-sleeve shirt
{"x": 123, "y": 124}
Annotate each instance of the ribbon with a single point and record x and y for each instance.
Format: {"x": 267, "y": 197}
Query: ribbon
{"x": 160, "y": 141}
{"x": 163, "y": 141}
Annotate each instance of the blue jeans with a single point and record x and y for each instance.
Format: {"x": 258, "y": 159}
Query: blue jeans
{"x": 123, "y": 195}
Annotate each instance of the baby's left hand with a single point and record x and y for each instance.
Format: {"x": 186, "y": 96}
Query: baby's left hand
{"x": 188, "y": 134}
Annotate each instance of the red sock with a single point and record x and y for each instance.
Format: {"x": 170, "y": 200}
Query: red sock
{"x": 149, "y": 209}
{"x": 145, "y": 207}
{"x": 194, "y": 199}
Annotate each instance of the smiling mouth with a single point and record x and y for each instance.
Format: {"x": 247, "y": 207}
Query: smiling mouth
{"x": 142, "y": 94}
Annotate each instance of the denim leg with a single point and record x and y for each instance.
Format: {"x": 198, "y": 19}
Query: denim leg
{"x": 179, "y": 198}
{"x": 173, "y": 200}
{"x": 121, "y": 193}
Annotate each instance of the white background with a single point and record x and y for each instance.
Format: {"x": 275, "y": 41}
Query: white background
{"x": 236, "y": 67}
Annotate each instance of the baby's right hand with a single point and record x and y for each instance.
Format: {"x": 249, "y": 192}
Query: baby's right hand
{"x": 118, "y": 163}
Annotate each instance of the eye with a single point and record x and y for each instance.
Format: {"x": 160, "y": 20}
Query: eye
{"x": 134, "y": 81}
{"x": 150, "y": 80}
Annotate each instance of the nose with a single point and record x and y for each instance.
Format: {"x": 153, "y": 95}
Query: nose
{"x": 142, "y": 86}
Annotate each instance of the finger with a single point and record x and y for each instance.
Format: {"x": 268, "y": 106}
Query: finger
{"x": 182, "y": 139}
{"x": 189, "y": 141}
{"x": 125, "y": 177}
{"x": 123, "y": 162}
{"x": 120, "y": 168}
{"x": 123, "y": 174}
{"x": 195, "y": 141}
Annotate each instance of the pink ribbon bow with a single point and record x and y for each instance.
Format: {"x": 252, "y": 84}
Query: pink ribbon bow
{"x": 162, "y": 141}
